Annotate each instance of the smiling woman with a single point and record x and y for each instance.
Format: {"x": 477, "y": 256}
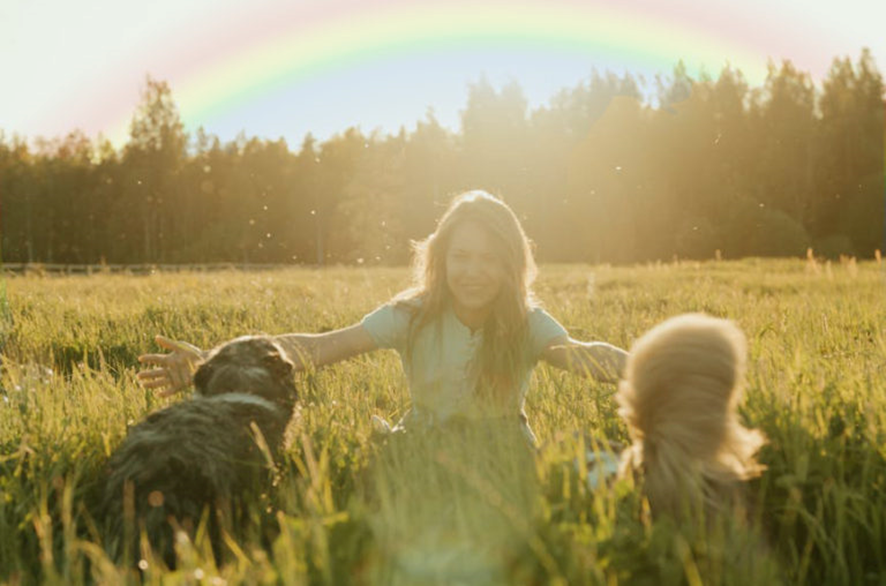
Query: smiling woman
{"x": 469, "y": 333}
{"x": 473, "y": 274}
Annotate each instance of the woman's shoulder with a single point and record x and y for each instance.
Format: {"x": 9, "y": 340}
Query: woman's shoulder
{"x": 539, "y": 320}
{"x": 389, "y": 323}
{"x": 536, "y": 311}
{"x": 409, "y": 301}
{"x": 542, "y": 330}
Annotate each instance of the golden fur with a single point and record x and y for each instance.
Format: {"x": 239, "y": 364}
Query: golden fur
{"x": 683, "y": 382}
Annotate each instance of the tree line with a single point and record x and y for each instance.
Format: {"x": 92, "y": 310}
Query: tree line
{"x": 600, "y": 174}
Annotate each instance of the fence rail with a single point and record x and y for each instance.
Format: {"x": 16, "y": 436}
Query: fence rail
{"x": 133, "y": 269}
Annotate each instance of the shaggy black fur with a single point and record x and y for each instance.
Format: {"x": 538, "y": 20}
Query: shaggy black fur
{"x": 201, "y": 454}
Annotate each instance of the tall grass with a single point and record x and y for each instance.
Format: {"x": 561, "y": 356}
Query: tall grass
{"x": 347, "y": 509}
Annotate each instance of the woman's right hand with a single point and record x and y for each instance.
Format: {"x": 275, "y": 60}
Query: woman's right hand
{"x": 174, "y": 371}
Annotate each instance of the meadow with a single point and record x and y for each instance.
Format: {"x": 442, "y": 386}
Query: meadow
{"x": 816, "y": 387}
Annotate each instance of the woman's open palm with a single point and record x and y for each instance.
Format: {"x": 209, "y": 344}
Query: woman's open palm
{"x": 174, "y": 371}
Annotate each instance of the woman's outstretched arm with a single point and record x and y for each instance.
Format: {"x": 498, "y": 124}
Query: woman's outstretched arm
{"x": 602, "y": 361}
{"x": 174, "y": 371}
{"x": 316, "y": 350}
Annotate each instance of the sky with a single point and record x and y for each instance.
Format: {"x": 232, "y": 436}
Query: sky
{"x": 283, "y": 68}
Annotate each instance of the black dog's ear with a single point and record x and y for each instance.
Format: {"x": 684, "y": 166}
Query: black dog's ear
{"x": 202, "y": 377}
{"x": 278, "y": 365}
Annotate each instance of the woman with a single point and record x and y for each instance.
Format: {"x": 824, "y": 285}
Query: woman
{"x": 469, "y": 333}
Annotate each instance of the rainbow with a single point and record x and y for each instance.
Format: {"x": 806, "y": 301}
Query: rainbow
{"x": 301, "y": 43}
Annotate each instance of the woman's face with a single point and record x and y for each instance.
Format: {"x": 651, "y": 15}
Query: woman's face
{"x": 474, "y": 271}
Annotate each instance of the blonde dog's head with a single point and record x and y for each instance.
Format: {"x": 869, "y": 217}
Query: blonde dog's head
{"x": 683, "y": 382}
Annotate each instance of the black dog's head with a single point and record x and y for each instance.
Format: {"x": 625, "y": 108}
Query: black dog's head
{"x": 255, "y": 365}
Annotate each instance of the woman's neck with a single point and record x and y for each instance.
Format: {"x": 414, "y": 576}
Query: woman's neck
{"x": 472, "y": 318}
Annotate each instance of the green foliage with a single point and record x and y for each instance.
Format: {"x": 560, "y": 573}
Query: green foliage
{"x": 625, "y": 180}
{"x": 346, "y": 509}
{"x": 759, "y": 230}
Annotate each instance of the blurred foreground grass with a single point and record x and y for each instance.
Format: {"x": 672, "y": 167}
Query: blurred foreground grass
{"x": 341, "y": 512}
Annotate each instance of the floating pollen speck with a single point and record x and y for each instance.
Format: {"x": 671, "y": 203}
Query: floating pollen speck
{"x": 155, "y": 498}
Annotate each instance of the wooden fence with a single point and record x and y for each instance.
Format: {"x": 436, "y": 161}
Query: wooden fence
{"x": 136, "y": 269}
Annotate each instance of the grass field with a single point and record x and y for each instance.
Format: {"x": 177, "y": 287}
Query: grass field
{"x": 816, "y": 387}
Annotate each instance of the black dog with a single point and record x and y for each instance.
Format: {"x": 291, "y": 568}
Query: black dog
{"x": 203, "y": 454}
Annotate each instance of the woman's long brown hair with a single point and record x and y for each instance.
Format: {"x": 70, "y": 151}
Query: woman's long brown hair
{"x": 505, "y": 331}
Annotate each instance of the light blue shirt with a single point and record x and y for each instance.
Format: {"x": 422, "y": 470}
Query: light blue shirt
{"x": 440, "y": 378}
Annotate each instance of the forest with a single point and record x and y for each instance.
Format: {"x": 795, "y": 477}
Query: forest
{"x": 603, "y": 173}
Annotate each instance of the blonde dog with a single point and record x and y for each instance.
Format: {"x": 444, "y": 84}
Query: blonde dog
{"x": 682, "y": 385}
